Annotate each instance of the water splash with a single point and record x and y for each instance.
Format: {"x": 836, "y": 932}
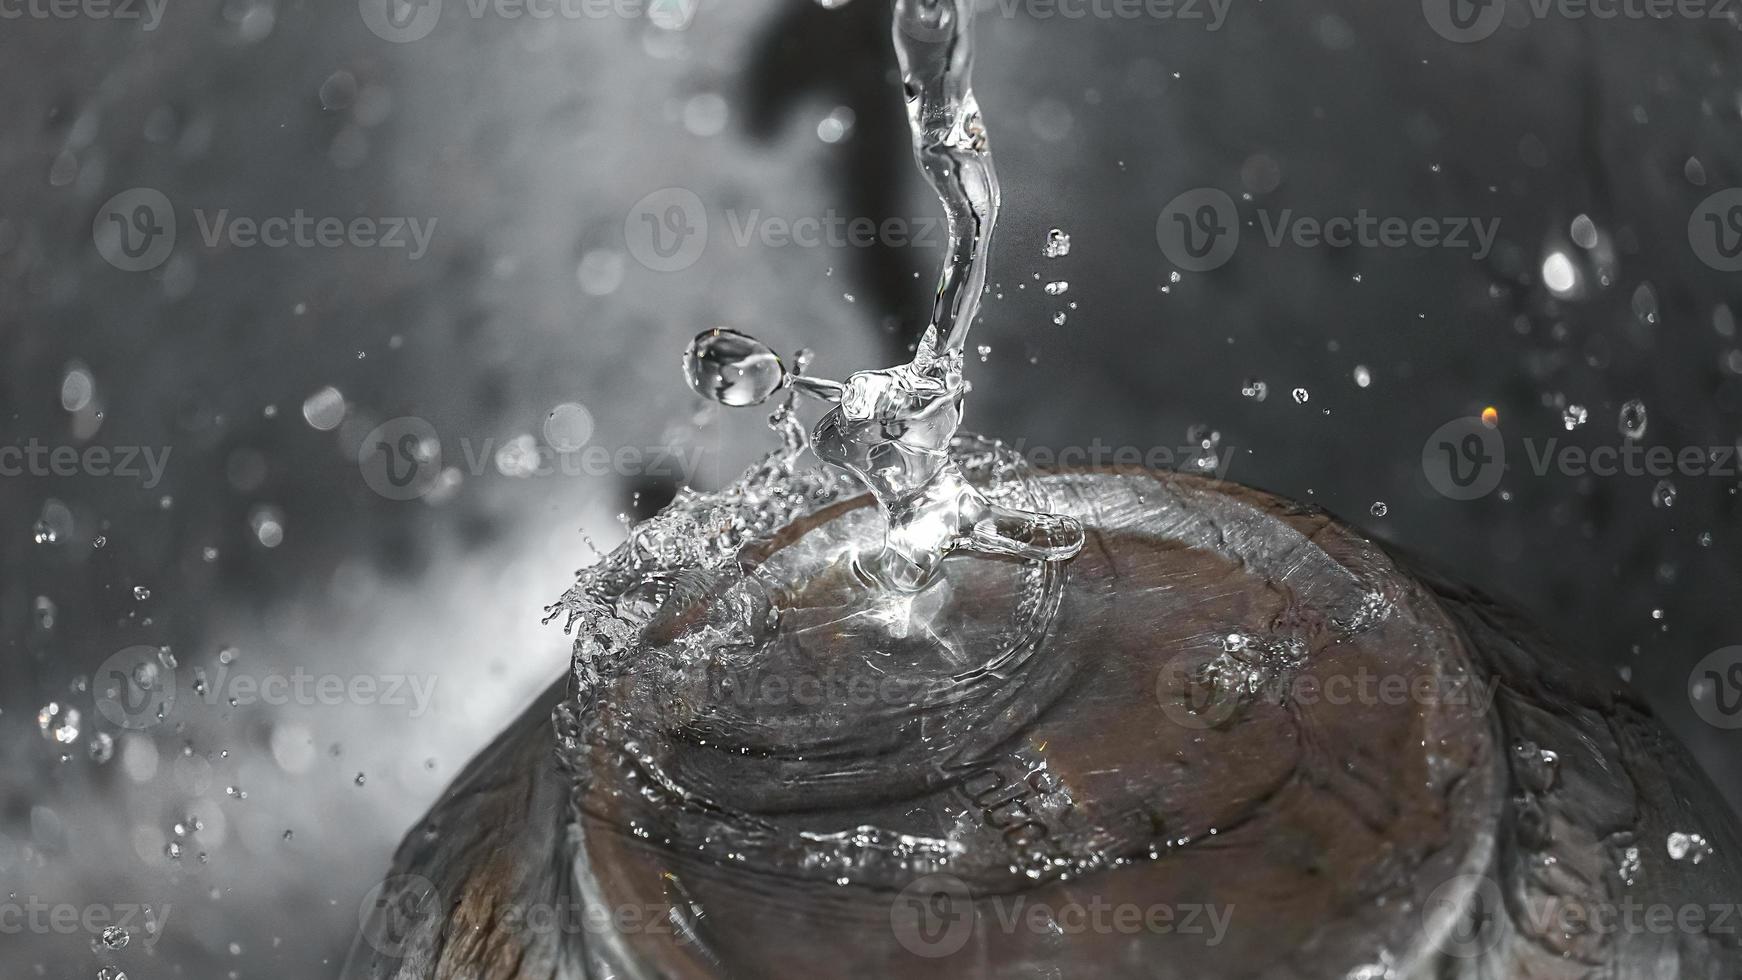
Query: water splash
{"x": 892, "y": 428}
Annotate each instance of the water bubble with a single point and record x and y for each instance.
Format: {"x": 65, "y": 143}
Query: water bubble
{"x": 1254, "y": 389}
{"x": 985, "y": 352}
{"x": 141, "y": 593}
{"x": 1058, "y": 244}
{"x": 115, "y": 937}
{"x": 1574, "y": 416}
{"x": 1633, "y": 419}
{"x": 361, "y": 779}
{"x": 1584, "y": 231}
{"x": 1058, "y": 319}
{"x": 1301, "y": 395}
{"x": 1663, "y": 495}
{"x": 1057, "y": 288}
{"x": 1379, "y": 509}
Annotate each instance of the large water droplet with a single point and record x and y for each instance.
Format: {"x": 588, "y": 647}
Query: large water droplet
{"x": 732, "y": 368}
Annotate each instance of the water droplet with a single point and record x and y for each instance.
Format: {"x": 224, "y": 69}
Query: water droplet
{"x": 58, "y": 722}
{"x": 1363, "y": 377}
{"x": 101, "y": 748}
{"x": 1057, "y": 288}
{"x": 732, "y": 368}
{"x": 1633, "y": 419}
{"x": 324, "y": 409}
{"x": 1058, "y": 244}
{"x": 1301, "y": 395}
{"x": 1379, "y": 509}
{"x": 1645, "y": 304}
{"x": 835, "y": 126}
{"x": 1663, "y": 495}
{"x": 1574, "y": 416}
{"x": 115, "y": 937}
{"x": 1559, "y": 274}
{"x": 361, "y": 779}
{"x": 1254, "y": 389}
{"x": 985, "y": 351}
{"x": 1058, "y": 319}
{"x": 45, "y": 611}
{"x": 267, "y": 523}
{"x": 77, "y": 388}
{"x": 141, "y": 593}
{"x": 1692, "y": 848}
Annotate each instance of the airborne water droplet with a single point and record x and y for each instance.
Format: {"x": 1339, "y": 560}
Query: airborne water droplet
{"x": 1301, "y": 395}
{"x": 1663, "y": 495}
{"x": 1255, "y": 389}
{"x": 1574, "y": 416}
{"x": 1633, "y": 419}
{"x": 1058, "y": 244}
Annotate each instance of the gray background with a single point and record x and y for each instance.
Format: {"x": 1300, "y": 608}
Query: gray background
{"x": 530, "y": 142}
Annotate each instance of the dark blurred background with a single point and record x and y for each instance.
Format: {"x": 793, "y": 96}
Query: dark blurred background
{"x": 534, "y": 324}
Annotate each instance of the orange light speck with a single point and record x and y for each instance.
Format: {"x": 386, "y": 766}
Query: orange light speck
{"x": 1490, "y": 416}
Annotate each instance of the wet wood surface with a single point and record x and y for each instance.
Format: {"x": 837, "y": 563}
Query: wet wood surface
{"x": 1506, "y": 817}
